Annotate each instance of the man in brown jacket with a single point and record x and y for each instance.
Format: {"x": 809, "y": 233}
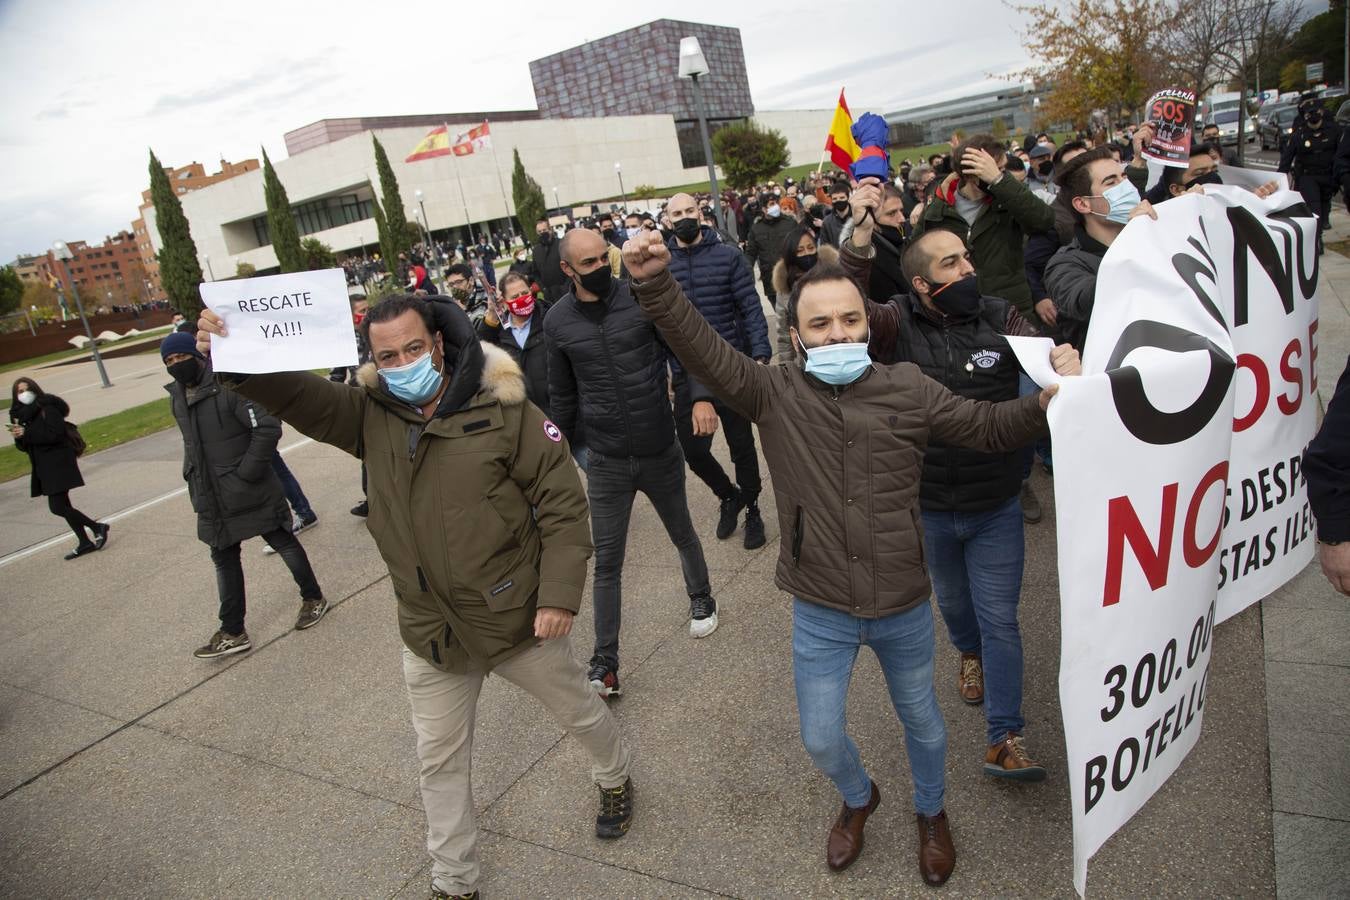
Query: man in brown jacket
{"x": 844, "y": 439}
{"x": 477, "y": 509}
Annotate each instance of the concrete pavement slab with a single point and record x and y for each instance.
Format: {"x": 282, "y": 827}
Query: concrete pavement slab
{"x": 1305, "y": 696}
{"x": 37, "y": 732}
{"x": 1310, "y": 774}
{"x": 1308, "y": 635}
{"x": 1306, "y": 590}
{"x": 1313, "y": 861}
{"x": 148, "y": 815}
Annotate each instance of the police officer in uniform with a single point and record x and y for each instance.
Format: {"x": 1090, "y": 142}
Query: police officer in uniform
{"x": 1310, "y": 154}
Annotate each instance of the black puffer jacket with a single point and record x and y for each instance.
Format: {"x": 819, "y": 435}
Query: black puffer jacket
{"x": 1071, "y": 282}
{"x": 607, "y": 373}
{"x": 55, "y": 470}
{"x": 228, "y": 445}
{"x": 532, "y": 358}
{"x": 546, "y": 268}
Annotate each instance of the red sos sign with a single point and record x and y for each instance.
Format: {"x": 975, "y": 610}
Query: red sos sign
{"x": 1170, "y": 111}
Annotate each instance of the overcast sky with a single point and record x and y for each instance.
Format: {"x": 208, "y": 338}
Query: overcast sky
{"x": 90, "y": 86}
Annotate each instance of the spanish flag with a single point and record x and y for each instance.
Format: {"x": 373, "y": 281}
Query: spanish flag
{"x": 839, "y": 142}
{"x": 436, "y": 143}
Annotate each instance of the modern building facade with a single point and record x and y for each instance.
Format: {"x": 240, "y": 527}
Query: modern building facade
{"x": 326, "y": 131}
{"x": 1015, "y": 107}
{"x": 184, "y": 180}
{"x": 631, "y": 73}
{"x": 109, "y": 273}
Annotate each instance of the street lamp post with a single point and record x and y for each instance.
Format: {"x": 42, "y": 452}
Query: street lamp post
{"x": 211, "y": 275}
{"x": 62, "y": 252}
{"x": 556, "y": 204}
{"x": 693, "y": 65}
{"x": 618, "y": 170}
{"x": 426, "y": 226}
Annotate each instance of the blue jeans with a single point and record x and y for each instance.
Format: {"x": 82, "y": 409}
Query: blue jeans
{"x": 825, "y": 645}
{"x": 291, "y": 488}
{"x": 975, "y": 561}
{"x": 1025, "y": 387}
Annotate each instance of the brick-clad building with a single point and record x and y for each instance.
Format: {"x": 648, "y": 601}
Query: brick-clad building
{"x": 634, "y": 72}
{"x": 107, "y": 274}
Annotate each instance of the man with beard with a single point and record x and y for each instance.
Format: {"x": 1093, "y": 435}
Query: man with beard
{"x": 546, "y": 262}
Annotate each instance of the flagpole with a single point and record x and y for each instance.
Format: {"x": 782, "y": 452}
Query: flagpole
{"x": 820, "y": 165}
{"x": 463, "y": 200}
{"x": 496, "y": 164}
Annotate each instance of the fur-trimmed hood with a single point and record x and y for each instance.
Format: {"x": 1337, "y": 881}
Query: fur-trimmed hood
{"x": 501, "y": 378}
{"x": 781, "y": 285}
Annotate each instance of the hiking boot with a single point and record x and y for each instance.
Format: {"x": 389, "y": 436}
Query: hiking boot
{"x": 754, "y": 527}
{"x": 616, "y": 811}
{"x": 222, "y": 644}
{"x": 970, "y": 679}
{"x": 937, "y": 853}
{"x": 604, "y": 678}
{"x": 361, "y": 509}
{"x": 728, "y": 515}
{"x": 1031, "y": 504}
{"x": 304, "y": 523}
{"x": 101, "y": 536}
{"x": 846, "y": 834}
{"x": 702, "y": 615}
{"x": 1008, "y": 759}
{"x": 83, "y": 549}
{"x": 311, "y": 611}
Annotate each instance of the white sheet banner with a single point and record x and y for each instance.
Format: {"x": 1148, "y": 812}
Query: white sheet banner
{"x": 1176, "y": 487}
{"x": 282, "y": 323}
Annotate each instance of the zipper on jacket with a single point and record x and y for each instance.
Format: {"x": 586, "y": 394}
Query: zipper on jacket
{"x": 422, "y": 581}
{"x": 798, "y": 532}
{"x": 435, "y": 652}
{"x": 618, "y": 386}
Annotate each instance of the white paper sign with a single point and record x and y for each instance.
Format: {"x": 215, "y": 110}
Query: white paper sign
{"x": 282, "y": 323}
{"x": 1176, "y": 483}
{"x": 1033, "y": 354}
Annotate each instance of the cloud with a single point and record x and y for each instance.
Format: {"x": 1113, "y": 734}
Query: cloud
{"x": 288, "y": 85}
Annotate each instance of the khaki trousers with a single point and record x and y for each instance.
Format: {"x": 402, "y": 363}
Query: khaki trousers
{"x": 443, "y": 712}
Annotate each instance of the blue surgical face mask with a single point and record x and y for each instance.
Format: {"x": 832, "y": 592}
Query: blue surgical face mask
{"x": 415, "y": 383}
{"x": 1123, "y": 198}
{"x": 837, "y": 364}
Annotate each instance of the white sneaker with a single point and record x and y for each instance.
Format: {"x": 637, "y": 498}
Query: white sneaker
{"x": 702, "y": 616}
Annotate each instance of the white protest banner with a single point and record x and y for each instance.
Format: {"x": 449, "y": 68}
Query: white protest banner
{"x": 1153, "y": 447}
{"x": 282, "y": 323}
{"x": 1033, "y": 355}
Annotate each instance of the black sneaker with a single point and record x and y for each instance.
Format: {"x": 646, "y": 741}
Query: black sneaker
{"x": 754, "y": 527}
{"x": 728, "y": 515}
{"x": 303, "y": 523}
{"x": 361, "y": 509}
{"x": 101, "y": 536}
{"x": 603, "y": 678}
{"x": 616, "y": 811}
{"x": 311, "y": 611}
{"x": 222, "y": 644}
{"x": 83, "y": 549}
{"x": 702, "y": 615}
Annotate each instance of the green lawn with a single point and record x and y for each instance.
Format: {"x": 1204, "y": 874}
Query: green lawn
{"x": 100, "y": 434}
{"x": 73, "y": 351}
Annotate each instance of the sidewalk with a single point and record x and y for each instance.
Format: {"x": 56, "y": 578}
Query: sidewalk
{"x": 129, "y": 768}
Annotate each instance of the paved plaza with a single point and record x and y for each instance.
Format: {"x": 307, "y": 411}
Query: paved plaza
{"x": 130, "y": 769}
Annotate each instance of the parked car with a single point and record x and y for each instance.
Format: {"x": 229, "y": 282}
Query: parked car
{"x": 1227, "y": 121}
{"x": 1278, "y": 126}
{"x": 1343, "y": 114}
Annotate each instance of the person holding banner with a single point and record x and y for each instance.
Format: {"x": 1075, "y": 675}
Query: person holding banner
{"x": 844, "y": 440}
{"x": 969, "y": 500}
{"x": 1326, "y": 465}
{"x": 479, "y": 514}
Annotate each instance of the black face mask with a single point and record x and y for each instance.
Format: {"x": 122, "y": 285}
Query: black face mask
{"x": 1044, "y": 169}
{"x": 1208, "y": 178}
{"x": 686, "y": 230}
{"x": 806, "y": 262}
{"x": 597, "y": 282}
{"x": 841, "y": 207}
{"x": 892, "y": 234}
{"x": 960, "y": 299}
{"x": 186, "y": 371}
{"x": 546, "y": 237}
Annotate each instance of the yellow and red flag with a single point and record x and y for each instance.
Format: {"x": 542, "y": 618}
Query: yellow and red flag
{"x": 839, "y": 143}
{"x": 436, "y": 143}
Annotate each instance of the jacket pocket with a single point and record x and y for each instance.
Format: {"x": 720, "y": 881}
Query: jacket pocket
{"x": 513, "y": 591}
{"x": 798, "y": 532}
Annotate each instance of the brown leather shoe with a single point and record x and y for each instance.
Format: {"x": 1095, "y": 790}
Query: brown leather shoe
{"x": 1009, "y": 759}
{"x": 970, "y": 679}
{"x": 846, "y": 835}
{"x": 937, "y": 854}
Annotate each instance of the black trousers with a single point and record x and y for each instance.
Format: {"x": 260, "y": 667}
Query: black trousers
{"x": 740, "y": 439}
{"x": 59, "y": 504}
{"x": 230, "y": 576}
{"x": 1317, "y": 191}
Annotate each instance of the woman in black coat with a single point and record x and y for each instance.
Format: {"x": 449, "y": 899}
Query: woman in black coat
{"x": 38, "y": 423}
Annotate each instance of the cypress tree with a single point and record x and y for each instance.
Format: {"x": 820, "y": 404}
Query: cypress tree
{"x": 527, "y": 195}
{"x": 280, "y": 223}
{"x": 388, "y": 253}
{"x": 392, "y": 200}
{"x": 179, "y": 272}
